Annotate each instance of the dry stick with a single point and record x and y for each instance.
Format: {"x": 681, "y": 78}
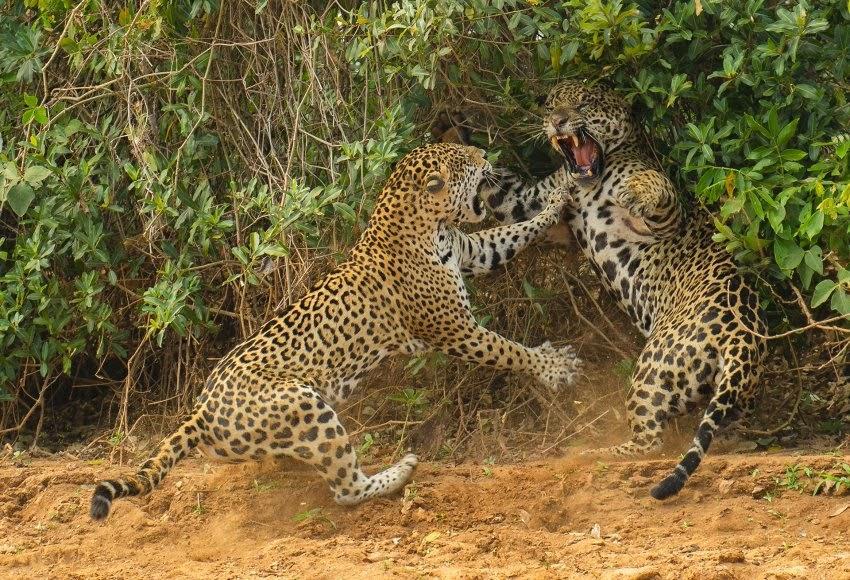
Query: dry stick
{"x": 203, "y": 99}
{"x": 599, "y": 309}
{"x": 845, "y": 344}
{"x": 39, "y": 402}
{"x": 793, "y": 414}
{"x": 574, "y": 433}
{"x": 124, "y": 421}
{"x": 70, "y": 19}
{"x": 819, "y": 325}
{"x": 544, "y": 399}
{"x": 801, "y": 303}
{"x": 592, "y": 326}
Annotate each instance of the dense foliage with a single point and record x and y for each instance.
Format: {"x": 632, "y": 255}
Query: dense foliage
{"x": 169, "y": 167}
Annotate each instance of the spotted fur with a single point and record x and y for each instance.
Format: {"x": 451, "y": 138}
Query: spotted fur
{"x": 701, "y": 318}
{"x": 401, "y": 292}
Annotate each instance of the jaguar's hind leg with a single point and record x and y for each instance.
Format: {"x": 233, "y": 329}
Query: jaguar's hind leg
{"x": 312, "y": 432}
{"x": 666, "y": 383}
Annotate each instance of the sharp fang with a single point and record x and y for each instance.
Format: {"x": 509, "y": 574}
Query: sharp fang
{"x": 576, "y": 141}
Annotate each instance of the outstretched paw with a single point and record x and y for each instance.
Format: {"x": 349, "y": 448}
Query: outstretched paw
{"x": 559, "y": 198}
{"x": 562, "y": 366}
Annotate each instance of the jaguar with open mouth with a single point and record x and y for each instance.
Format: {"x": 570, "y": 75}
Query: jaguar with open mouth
{"x": 583, "y": 153}
{"x": 702, "y": 319}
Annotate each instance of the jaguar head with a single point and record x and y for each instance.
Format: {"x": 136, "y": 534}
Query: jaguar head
{"x": 584, "y": 123}
{"x": 450, "y": 180}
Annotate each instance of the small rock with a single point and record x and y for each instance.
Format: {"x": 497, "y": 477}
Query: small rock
{"x": 420, "y": 515}
{"x": 745, "y": 446}
{"x": 758, "y": 491}
{"x": 378, "y": 556}
{"x": 732, "y": 557}
{"x": 725, "y": 486}
{"x": 596, "y": 531}
{"x": 524, "y": 517}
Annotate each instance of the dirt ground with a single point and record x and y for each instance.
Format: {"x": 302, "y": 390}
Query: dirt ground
{"x": 740, "y": 516}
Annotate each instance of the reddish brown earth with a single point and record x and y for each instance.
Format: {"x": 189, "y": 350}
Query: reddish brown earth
{"x": 737, "y": 518}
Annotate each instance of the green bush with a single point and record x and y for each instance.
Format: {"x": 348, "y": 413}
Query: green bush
{"x": 168, "y": 167}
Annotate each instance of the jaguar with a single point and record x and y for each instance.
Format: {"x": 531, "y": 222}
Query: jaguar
{"x": 400, "y": 292}
{"x": 705, "y": 331}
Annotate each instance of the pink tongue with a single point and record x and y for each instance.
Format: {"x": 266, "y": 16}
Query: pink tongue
{"x": 586, "y": 153}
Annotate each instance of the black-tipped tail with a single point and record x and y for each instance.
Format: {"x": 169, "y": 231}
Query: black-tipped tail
{"x": 670, "y": 485}
{"x": 101, "y": 501}
{"x": 171, "y": 450}
{"x": 673, "y": 483}
{"x": 106, "y": 491}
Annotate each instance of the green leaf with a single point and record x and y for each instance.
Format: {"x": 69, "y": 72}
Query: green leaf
{"x": 814, "y": 259}
{"x": 786, "y": 133}
{"x": 840, "y": 302}
{"x": 822, "y": 292}
{"x": 806, "y": 274}
{"x": 345, "y": 211}
{"x": 807, "y": 91}
{"x": 20, "y": 197}
{"x": 814, "y": 224}
{"x": 40, "y": 115}
{"x": 787, "y": 253}
{"x": 793, "y": 155}
{"x": 35, "y": 174}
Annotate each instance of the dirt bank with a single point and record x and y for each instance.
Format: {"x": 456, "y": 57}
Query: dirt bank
{"x": 740, "y": 517}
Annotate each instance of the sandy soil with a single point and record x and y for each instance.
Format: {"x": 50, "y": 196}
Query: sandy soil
{"x": 737, "y": 518}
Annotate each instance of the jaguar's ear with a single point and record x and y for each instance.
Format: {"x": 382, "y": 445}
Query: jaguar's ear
{"x": 435, "y": 183}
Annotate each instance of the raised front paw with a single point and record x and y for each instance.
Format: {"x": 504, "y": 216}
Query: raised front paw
{"x": 560, "y": 366}
{"x": 643, "y": 192}
{"x": 560, "y": 197}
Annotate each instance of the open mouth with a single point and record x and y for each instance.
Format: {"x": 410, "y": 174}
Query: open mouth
{"x": 583, "y": 154}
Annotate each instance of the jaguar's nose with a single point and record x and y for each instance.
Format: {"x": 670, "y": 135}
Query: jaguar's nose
{"x": 559, "y": 119}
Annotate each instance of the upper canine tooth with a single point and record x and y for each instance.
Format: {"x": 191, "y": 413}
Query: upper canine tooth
{"x": 576, "y": 141}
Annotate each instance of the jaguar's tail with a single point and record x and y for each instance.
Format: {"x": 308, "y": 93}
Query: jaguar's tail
{"x": 151, "y": 472}
{"x": 725, "y": 406}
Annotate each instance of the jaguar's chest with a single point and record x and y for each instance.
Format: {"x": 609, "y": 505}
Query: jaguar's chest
{"x": 620, "y": 249}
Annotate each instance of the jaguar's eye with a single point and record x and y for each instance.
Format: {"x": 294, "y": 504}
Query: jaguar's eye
{"x": 435, "y": 184}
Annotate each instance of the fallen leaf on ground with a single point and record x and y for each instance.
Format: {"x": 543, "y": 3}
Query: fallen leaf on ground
{"x": 840, "y": 510}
